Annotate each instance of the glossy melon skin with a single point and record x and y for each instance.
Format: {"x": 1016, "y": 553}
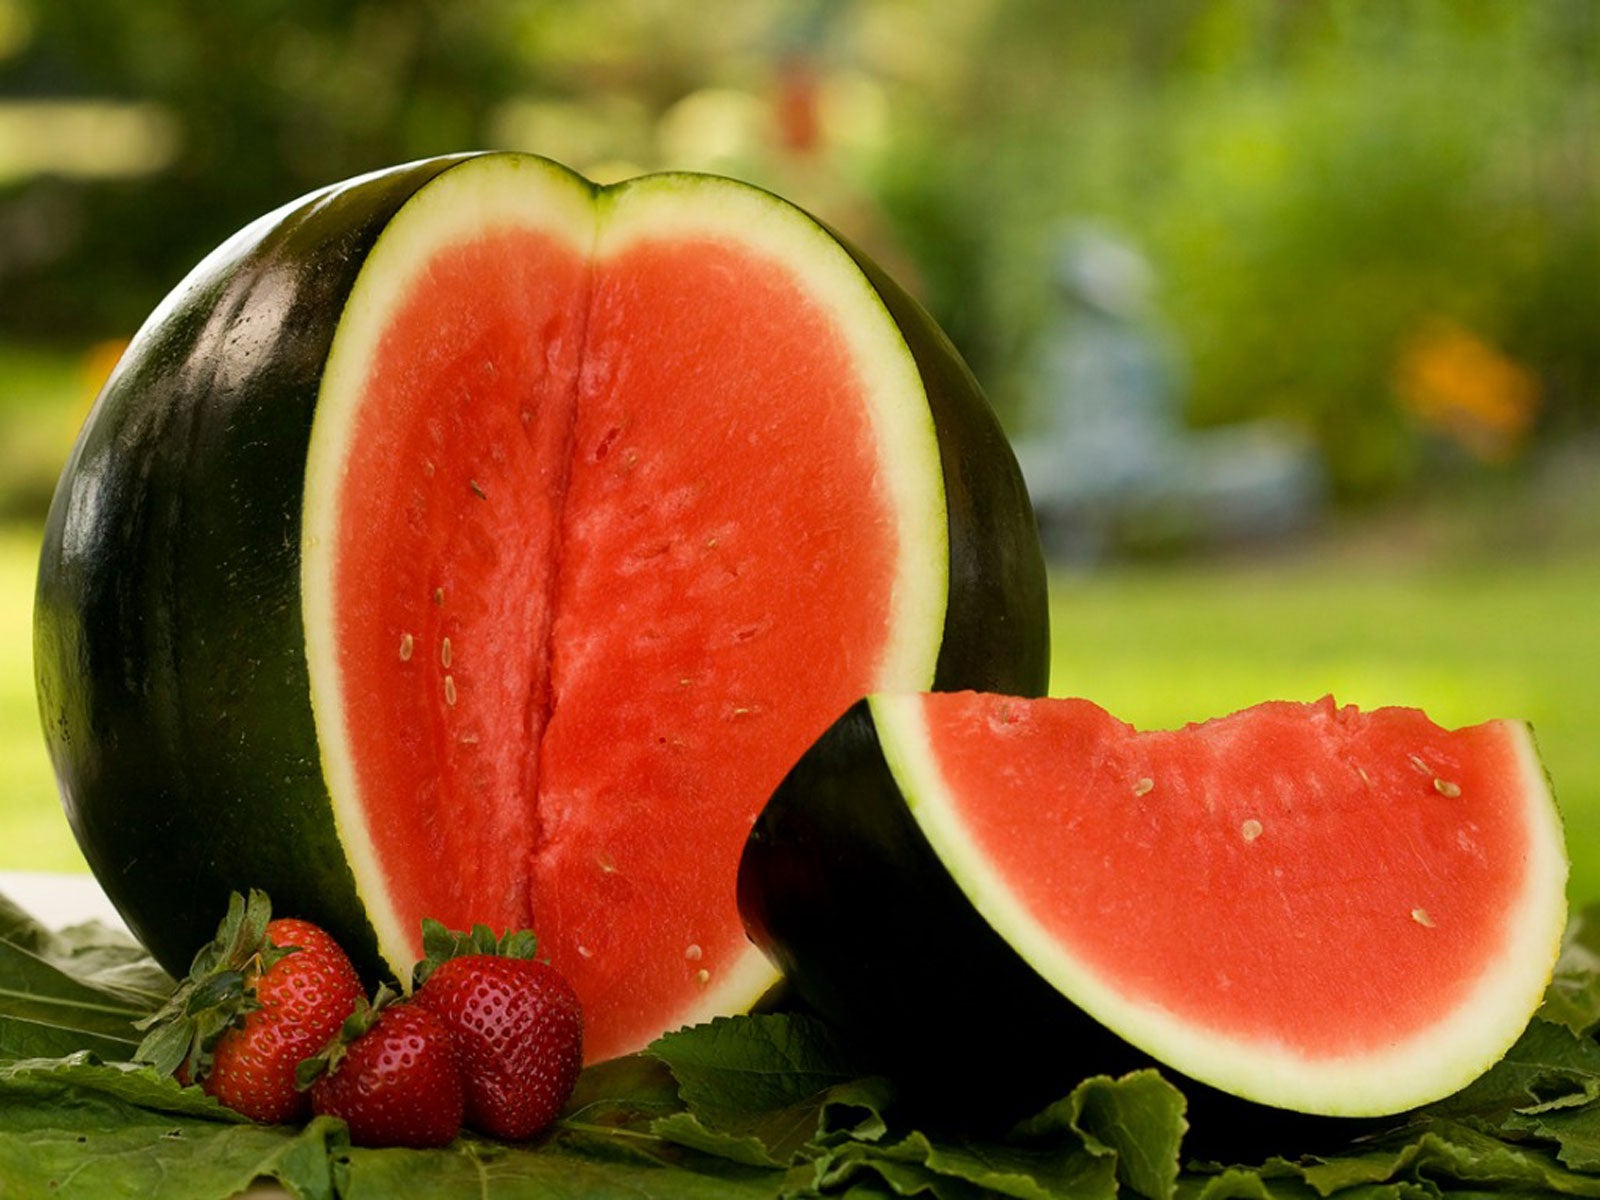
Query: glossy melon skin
{"x": 168, "y": 647}
{"x": 169, "y": 640}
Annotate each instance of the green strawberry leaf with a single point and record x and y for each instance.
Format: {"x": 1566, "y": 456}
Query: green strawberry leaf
{"x": 440, "y": 944}
{"x": 218, "y": 992}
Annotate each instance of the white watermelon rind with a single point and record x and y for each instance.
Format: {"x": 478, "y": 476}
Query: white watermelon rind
{"x": 527, "y": 192}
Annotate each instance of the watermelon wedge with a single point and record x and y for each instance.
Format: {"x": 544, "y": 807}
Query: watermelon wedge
{"x": 1303, "y": 905}
{"x": 472, "y": 542}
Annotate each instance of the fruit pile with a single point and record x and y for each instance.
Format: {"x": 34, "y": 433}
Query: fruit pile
{"x": 272, "y": 1021}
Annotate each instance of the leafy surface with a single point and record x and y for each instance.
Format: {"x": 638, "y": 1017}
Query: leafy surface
{"x": 759, "y": 1106}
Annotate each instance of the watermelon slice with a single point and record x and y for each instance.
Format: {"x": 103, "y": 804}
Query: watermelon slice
{"x": 468, "y": 541}
{"x": 1303, "y": 905}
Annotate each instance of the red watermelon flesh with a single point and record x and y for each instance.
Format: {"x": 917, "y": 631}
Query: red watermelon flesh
{"x": 1307, "y": 904}
{"x": 597, "y": 503}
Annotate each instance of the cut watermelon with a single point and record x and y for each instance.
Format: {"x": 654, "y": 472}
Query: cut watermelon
{"x": 1303, "y": 905}
{"x": 469, "y": 542}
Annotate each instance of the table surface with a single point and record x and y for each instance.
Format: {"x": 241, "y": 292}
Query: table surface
{"x": 59, "y": 899}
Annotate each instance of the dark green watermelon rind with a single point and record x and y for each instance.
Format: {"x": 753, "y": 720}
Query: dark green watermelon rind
{"x": 997, "y": 619}
{"x": 169, "y": 649}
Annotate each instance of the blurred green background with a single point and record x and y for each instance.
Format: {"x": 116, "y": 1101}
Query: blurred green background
{"x": 1376, "y": 222}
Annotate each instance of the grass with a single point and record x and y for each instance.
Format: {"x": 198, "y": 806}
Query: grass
{"x": 33, "y": 833}
{"x": 1480, "y": 637}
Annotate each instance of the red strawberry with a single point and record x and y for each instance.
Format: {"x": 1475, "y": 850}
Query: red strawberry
{"x": 392, "y": 1077}
{"x": 516, "y": 1024}
{"x": 259, "y": 998}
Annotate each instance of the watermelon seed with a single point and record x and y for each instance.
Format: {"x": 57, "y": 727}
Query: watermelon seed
{"x": 427, "y": 467}
{"x": 1250, "y": 830}
{"x": 585, "y": 952}
{"x": 606, "y": 865}
{"x": 444, "y": 652}
{"x": 1445, "y": 788}
{"x": 405, "y": 647}
{"x": 477, "y": 489}
{"x": 1420, "y": 765}
{"x": 603, "y": 446}
{"x": 702, "y": 976}
{"x": 693, "y": 952}
{"x": 711, "y": 543}
{"x": 438, "y": 596}
{"x": 1421, "y": 917}
{"x": 686, "y": 682}
{"x": 1143, "y": 787}
{"x": 450, "y": 690}
{"x": 1365, "y": 778}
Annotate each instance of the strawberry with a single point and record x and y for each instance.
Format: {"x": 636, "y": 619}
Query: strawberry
{"x": 260, "y": 997}
{"x": 515, "y": 1021}
{"x": 391, "y": 1075}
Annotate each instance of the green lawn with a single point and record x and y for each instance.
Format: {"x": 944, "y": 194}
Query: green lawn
{"x": 1160, "y": 645}
{"x": 33, "y": 833}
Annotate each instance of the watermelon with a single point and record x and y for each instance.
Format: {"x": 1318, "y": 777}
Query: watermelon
{"x": 1302, "y": 906}
{"x": 469, "y": 541}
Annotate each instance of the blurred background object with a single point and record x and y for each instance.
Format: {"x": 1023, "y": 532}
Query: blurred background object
{"x": 1107, "y": 455}
{"x": 1374, "y": 226}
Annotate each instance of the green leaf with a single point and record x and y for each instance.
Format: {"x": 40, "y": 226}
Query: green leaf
{"x": 1576, "y": 1131}
{"x": 80, "y": 989}
{"x": 1573, "y": 997}
{"x": 1441, "y": 1158}
{"x": 440, "y": 944}
{"x": 140, "y": 1085}
{"x": 81, "y": 1131}
{"x": 623, "y": 1093}
{"x": 756, "y": 1106}
{"x": 565, "y": 1167}
{"x": 768, "y": 1089}
{"x": 1137, "y": 1121}
{"x": 218, "y": 992}
{"x": 44, "y": 1010}
{"x": 92, "y": 953}
{"x": 1548, "y": 1067}
{"x": 733, "y": 1066}
{"x": 976, "y": 1168}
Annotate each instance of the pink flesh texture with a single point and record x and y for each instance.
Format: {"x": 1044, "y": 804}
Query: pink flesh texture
{"x": 1324, "y": 878}
{"x": 640, "y": 498}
